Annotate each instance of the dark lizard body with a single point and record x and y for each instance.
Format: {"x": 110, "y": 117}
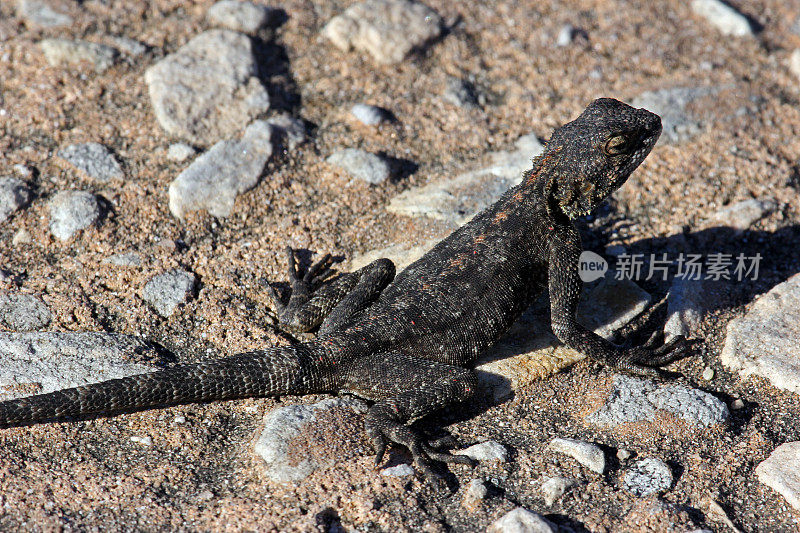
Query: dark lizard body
{"x": 407, "y": 343}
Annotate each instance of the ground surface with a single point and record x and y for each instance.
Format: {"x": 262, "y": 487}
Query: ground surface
{"x": 201, "y": 474}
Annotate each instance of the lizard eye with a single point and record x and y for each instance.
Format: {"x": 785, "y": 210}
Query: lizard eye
{"x": 616, "y": 145}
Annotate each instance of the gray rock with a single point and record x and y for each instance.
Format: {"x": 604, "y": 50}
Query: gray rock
{"x": 765, "y": 341}
{"x": 401, "y": 470}
{"x": 165, "y": 292}
{"x": 486, "y": 452}
{"x": 245, "y": 17}
{"x": 289, "y": 132}
{"x": 129, "y": 259}
{"x": 361, "y": 165}
{"x": 208, "y": 89}
{"x": 610, "y": 303}
{"x": 458, "y": 199}
{"x": 287, "y": 453}
{"x": 180, "y": 152}
{"x": 34, "y": 363}
{"x": 781, "y": 472}
{"x": 39, "y": 13}
{"x": 722, "y": 16}
{"x": 461, "y": 93}
{"x": 60, "y": 52}
{"x": 72, "y": 211}
{"x": 14, "y": 195}
{"x": 648, "y": 476}
{"x": 386, "y": 29}
{"x": 369, "y": 115}
{"x": 671, "y": 104}
{"x": 742, "y": 215}
{"x": 475, "y": 494}
{"x": 23, "y": 312}
{"x": 94, "y": 160}
{"x": 555, "y": 487}
{"x": 128, "y": 46}
{"x": 687, "y": 303}
{"x": 522, "y": 521}
{"x": 229, "y": 168}
{"x": 588, "y": 454}
{"x": 634, "y": 400}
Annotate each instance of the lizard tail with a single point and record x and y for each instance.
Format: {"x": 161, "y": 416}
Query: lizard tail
{"x": 281, "y": 370}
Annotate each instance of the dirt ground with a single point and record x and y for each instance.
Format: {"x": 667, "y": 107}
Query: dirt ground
{"x": 202, "y": 474}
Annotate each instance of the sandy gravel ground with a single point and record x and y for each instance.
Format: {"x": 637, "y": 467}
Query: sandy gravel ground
{"x": 201, "y": 474}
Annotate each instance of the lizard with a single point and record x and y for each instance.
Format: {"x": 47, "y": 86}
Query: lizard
{"x": 407, "y": 342}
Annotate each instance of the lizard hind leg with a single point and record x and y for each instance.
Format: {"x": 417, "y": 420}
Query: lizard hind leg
{"x": 406, "y": 388}
{"x": 316, "y": 303}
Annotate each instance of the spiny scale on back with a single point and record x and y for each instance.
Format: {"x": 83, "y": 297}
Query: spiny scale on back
{"x": 407, "y": 343}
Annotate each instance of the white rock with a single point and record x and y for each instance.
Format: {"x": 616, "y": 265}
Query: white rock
{"x": 742, "y": 215}
{"x": 781, "y": 472}
{"x": 765, "y": 341}
{"x": 33, "y": 363}
{"x": 386, "y": 29}
{"x": 208, "y": 89}
{"x": 794, "y": 63}
{"x": 286, "y": 458}
{"x": 39, "y": 13}
{"x": 245, "y": 17}
{"x": 72, "y": 211}
{"x": 588, "y": 454}
{"x": 723, "y": 17}
{"x": 522, "y": 521}
{"x": 458, "y": 199}
{"x": 486, "y": 452}
{"x": 60, "y": 52}
{"x": 369, "y": 115}
{"x": 401, "y": 470}
{"x": 475, "y": 494}
{"x": 180, "y": 152}
{"x": 215, "y": 178}
{"x": 554, "y": 488}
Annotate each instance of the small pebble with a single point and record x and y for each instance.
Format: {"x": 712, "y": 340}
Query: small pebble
{"x": 555, "y": 487}
{"x": 708, "y": 373}
{"x": 22, "y": 236}
{"x": 648, "y": 476}
{"x": 180, "y": 152}
{"x": 737, "y": 404}
{"x": 402, "y": 470}
{"x": 588, "y": 454}
{"x": 361, "y": 165}
{"x": 623, "y": 454}
{"x": 72, "y": 211}
{"x": 180, "y": 419}
{"x": 486, "y": 452}
{"x": 475, "y": 494}
{"x": 144, "y": 441}
{"x": 369, "y": 115}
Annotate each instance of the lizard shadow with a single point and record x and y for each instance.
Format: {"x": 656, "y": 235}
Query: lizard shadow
{"x": 274, "y": 70}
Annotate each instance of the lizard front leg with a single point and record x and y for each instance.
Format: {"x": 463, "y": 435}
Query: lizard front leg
{"x": 327, "y": 305}
{"x": 406, "y": 388}
{"x": 565, "y": 286}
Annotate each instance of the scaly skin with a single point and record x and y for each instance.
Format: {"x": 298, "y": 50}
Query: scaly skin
{"x": 407, "y": 343}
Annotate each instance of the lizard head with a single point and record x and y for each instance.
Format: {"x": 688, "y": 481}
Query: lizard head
{"x": 593, "y": 155}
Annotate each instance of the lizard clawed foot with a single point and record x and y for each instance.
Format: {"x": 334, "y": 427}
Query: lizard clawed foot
{"x": 646, "y": 359}
{"x": 383, "y": 430}
{"x": 302, "y": 285}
